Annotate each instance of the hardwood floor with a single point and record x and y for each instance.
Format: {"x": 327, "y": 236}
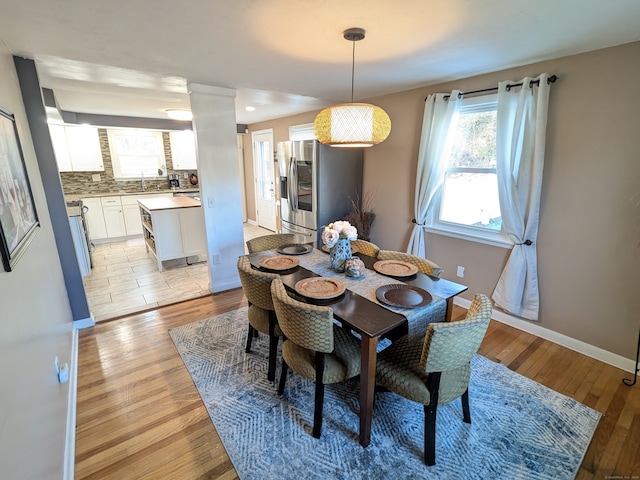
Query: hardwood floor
{"x": 139, "y": 415}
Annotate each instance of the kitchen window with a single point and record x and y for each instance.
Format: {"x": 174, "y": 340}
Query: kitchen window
{"x": 467, "y": 204}
{"x": 136, "y": 153}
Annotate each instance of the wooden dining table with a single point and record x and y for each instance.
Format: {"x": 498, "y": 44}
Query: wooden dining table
{"x": 370, "y": 319}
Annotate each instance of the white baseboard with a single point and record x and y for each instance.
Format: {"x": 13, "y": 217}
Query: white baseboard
{"x": 576, "y": 345}
{"x": 84, "y": 322}
{"x": 223, "y": 287}
{"x": 252, "y": 222}
{"x": 70, "y": 436}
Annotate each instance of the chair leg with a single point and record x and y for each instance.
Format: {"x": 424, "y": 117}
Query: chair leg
{"x": 249, "y": 338}
{"x": 273, "y": 353}
{"x": 466, "y": 413}
{"x": 430, "y": 434}
{"x": 283, "y": 377}
{"x": 430, "y": 415}
{"x": 319, "y": 400}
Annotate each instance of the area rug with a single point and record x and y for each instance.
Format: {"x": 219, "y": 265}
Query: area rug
{"x": 520, "y": 429}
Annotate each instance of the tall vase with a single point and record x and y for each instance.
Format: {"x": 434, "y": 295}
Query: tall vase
{"x": 340, "y": 253}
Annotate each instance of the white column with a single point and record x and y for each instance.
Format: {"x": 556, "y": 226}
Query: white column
{"x": 214, "y": 125}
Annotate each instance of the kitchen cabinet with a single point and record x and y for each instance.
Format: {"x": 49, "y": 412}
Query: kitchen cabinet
{"x": 183, "y": 150}
{"x": 131, "y": 211}
{"x": 173, "y": 228}
{"x": 77, "y": 148}
{"x": 113, "y": 217}
{"x": 95, "y": 218}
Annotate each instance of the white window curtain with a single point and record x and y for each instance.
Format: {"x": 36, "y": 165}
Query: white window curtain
{"x": 520, "y": 138}
{"x": 440, "y": 113}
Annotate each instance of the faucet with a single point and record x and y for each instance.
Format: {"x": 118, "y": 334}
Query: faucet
{"x": 144, "y": 184}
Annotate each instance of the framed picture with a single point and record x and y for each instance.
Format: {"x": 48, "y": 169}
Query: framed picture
{"x": 18, "y": 217}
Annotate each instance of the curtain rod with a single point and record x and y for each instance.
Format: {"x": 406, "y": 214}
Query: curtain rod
{"x": 550, "y": 80}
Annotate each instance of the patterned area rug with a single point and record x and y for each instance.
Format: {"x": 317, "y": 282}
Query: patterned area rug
{"x": 520, "y": 429}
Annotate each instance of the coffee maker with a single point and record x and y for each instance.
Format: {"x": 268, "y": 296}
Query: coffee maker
{"x": 174, "y": 181}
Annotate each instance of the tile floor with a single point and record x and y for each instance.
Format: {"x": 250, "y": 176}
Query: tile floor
{"x": 125, "y": 278}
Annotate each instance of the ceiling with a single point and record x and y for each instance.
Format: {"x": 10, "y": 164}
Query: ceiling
{"x": 137, "y": 58}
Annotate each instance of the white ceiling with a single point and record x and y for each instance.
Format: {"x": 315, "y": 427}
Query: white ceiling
{"x": 136, "y": 58}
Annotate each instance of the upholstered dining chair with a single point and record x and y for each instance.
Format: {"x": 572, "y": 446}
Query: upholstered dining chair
{"x": 313, "y": 347}
{"x": 437, "y": 370}
{"x": 424, "y": 265}
{"x": 269, "y": 242}
{"x": 365, "y": 247}
{"x": 256, "y": 286}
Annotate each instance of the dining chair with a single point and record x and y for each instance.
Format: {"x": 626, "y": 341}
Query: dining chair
{"x": 269, "y": 242}
{"x": 425, "y": 266}
{"x": 365, "y": 247}
{"x": 313, "y": 347}
{"x": 256, "y": 286}
{"x": 437, "y": 370}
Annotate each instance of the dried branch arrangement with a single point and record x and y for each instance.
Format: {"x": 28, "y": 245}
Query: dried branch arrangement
{"x": 362, "y": 216}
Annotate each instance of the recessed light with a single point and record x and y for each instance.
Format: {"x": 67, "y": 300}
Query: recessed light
{"x": 179, "y": 114}
{"x": 250, "y": 109}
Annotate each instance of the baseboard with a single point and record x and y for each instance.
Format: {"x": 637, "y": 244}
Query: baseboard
{"x": 252, "y": 222}
{"x": 84, "y": 322}
{"x": 70, "y": 436}
{"x": 223, "y": 287}
{"x": 579, "y": 346}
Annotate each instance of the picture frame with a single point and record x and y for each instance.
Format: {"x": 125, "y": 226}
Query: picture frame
{"x": 18, "y": 216}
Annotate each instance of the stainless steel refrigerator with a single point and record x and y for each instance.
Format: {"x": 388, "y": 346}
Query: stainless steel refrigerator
{"x": 317, "y": 184}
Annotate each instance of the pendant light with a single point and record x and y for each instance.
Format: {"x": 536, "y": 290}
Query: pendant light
{"x": 352, "y": 124}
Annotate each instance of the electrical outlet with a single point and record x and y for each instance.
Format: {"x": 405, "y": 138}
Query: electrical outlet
{"x": 460, "y": 271}
{"x": 210, "y": 203}
{"x": 95, "y": 177}
{"x": 215, "y": 259}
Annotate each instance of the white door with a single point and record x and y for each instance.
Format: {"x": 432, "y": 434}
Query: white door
{"x": 264, "y": 168}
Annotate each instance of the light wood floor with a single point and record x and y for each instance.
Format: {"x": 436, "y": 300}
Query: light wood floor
{"x": 139, "y": 416}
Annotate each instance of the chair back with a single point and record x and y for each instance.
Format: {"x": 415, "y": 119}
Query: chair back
{"x": 256, "y": 285}
{"x": 450, "y": 345}
{"x": 425, "y": 266}
{"x": 367, "y": 248}
{"x": 269, "y": 242}
{"x": 306, "y": 325}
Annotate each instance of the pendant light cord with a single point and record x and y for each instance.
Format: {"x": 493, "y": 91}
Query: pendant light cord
{"x": 353, "y": 66}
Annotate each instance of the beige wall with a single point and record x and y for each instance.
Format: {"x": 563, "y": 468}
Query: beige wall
{"x": 589, "y": 257}
{"x": 35, "y": 318}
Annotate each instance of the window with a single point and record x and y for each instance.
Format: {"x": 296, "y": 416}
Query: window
{"x": 468, "y": 204}
{"x": 302, "y": 132}
{"x": 136, "y": 153}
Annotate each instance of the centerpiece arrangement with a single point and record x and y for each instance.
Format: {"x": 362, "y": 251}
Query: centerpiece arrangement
{"x": 337, "y": 236}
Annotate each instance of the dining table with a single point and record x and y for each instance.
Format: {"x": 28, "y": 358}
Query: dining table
{"x": 360, "y": 309}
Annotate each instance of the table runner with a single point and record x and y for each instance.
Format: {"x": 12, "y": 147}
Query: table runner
{"x": 418, "y": 318}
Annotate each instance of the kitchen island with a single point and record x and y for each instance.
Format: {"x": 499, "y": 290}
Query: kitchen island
{"x": 173, "y": 227}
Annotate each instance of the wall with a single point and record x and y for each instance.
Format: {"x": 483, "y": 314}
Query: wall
{"x": 36, "y": 326}
{"x": 589, "y": 238}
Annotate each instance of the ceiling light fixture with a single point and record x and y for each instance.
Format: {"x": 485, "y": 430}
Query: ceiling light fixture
{"x": 179, "y": 114}
{"x": 352, "y": 124}
{"x": 249, "y": 108}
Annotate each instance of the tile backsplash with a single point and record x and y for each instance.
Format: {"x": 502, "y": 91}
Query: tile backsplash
{"x": 78, "y": 183}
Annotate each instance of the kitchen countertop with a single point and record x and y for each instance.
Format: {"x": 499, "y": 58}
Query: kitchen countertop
{"x": 80, "y": 196}
{"x": 154, "y": 204}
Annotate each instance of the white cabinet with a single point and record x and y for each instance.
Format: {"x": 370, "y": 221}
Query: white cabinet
{"x": 60, "y": 148}
{"x": 131, "y": 211}
{"x": 95, "y": 218}
{"x": 173, "y": 231}
{"x": 113, "y": 217}
{"x": 77, "y": 148}
{"x": 183, "y": 150}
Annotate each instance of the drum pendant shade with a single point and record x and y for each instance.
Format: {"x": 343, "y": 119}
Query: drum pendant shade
{"x": 352, "y": 124}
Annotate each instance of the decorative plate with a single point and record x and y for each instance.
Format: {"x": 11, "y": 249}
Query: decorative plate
{"x": 403, "y": 295}
{"x": 278, "y": 263}
{"x": 320, "y": 288}
{"x": 395, "y": 268}
{"x": 328, "y": 250}
{"x": 294, "y": 249}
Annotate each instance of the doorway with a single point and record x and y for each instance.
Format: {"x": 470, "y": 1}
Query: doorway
{"x": 265, "y": 183}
